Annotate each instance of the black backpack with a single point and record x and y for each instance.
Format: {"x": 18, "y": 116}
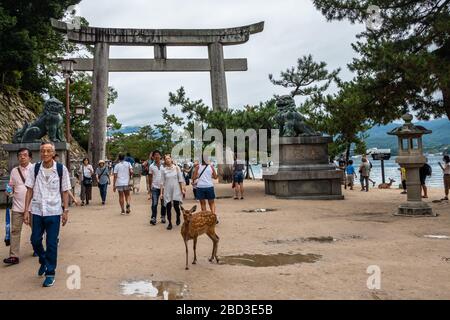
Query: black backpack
{"x": 59, "y": 169}
{"x": 427, "y": 169}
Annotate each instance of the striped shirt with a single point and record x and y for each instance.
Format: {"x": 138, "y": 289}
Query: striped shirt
{"x": 46, "y": 194}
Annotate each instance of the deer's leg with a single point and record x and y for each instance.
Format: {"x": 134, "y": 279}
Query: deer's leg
{"x": 195, "y": 251}
{"x": 217, "y": 247}
{"x": 215, "y": 239}
{"x": 185, "y": 244}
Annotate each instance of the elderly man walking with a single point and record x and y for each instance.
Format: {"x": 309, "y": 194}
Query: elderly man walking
{"x": 46, "y": 183}
{"x": 17, "y": 181}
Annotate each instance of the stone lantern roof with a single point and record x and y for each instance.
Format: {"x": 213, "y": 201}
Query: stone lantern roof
{"x": 409, "y": 129}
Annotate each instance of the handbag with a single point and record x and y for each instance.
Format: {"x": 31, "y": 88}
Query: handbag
{"x": 86, "y": 181}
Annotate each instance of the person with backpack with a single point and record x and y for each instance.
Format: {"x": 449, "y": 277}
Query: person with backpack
{"x": 46, "y": 207}
{"x": 102, "y": 175}
{"x": 424, "y": 172}
{"x": 364, "y": 173}
{"x": 86, "y": 173}
{"x": 17, "y": 182}
{"x": 137, "y": 174}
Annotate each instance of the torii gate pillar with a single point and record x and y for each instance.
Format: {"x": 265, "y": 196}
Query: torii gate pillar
{"x": 99, "y": 103}
{"x": 218, "y": 80}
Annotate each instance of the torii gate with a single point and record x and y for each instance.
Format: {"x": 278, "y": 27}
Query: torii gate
{"x": 101, "y": 65}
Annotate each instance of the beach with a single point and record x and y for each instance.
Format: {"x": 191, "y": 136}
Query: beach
{"x": 335, "y": 243}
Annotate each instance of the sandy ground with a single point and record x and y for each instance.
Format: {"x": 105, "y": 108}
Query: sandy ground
{"x": 110, "y": 248}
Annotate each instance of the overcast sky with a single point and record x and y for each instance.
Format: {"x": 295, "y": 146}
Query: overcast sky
{"x": 293, "y": 28}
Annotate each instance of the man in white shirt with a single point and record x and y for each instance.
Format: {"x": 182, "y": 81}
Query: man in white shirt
{"x": 154, "y": 174}
{"x": 17, "y": 181}
{"x": 46, "y": 182}
{"x": 122, "y": 174}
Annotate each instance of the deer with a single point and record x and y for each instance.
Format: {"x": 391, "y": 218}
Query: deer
{"x": 386, "y": 185}
{"x": 196, "y": 224}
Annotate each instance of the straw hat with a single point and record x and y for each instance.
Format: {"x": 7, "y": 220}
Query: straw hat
{"x": 101, "y": 161}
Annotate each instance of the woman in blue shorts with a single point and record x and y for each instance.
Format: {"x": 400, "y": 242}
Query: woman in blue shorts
{"x": 203, "y": 179}
{"x": 238, "y": 177}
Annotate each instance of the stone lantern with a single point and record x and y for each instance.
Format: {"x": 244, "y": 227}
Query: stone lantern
{"x": 410, "y": 157}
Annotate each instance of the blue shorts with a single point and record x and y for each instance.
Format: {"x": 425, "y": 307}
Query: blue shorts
{"x": 205, "y": 193}
{"x": 238, "y": 177}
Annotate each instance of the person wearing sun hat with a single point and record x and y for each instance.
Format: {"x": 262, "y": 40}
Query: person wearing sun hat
{"x": 102, "y": 175}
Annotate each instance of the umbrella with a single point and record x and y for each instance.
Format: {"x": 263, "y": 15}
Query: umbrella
{"x": 8, "y": 223}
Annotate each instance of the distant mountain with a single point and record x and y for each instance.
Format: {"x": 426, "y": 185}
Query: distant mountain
{"x": 435, "y": 142}
{"x": 125, "y": 130}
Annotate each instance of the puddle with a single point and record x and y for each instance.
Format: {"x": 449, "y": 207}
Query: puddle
{"x": 260, "y": 210}
{"x": 224, "y": 197}
{"x": 431, "y": 236}
{"x": 273, "y": 260}
{"x": 327, "y": 239}
{"x": 161, "y": 290}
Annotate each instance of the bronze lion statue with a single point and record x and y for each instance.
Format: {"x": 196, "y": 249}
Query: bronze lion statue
{"x": 48, "y": 123}
{"x": 290, "y": 122}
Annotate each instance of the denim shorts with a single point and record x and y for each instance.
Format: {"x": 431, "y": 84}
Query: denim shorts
{"x": 238, "y": 177}
{"x": 205, "y": 193}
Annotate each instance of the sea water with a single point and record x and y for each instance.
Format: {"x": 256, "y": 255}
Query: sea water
{"x": 390, "y": 169}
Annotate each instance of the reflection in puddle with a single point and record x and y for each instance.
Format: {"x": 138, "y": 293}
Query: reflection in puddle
{"x": 273, "y": 260}
{"x": 328, "y": 239}
{"x": 163, "y": 290}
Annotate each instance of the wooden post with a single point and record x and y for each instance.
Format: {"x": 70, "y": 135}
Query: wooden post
{"x": 99, "y": 103}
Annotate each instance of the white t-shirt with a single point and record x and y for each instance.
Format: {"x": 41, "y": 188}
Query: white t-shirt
{"x": 205, "y": 181}
{"x": 86, "y": 171}
{"x": 123, "y": 173}
{"x": 156, "y": 175}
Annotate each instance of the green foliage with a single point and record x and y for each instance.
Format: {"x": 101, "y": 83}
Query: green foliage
{"x": 139, "y": 145}
{"x": 112, "y": 123}
{"x": 28, "y": 44}
{"x": 80, "y": 95}
{"x": 306, "y": 77}
{"x": 405, "y": 64}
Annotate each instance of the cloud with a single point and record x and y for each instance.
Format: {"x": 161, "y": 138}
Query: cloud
{"x": 292, "y": 28}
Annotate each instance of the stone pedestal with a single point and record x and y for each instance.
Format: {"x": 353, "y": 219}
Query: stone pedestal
{"x": 304, "y": 171}
{"x": 61, "y": 149}
{"x": 415, "y": 206}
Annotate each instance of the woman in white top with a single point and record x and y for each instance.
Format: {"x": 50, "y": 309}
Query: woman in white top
{"x": 446, "y": 171}
{"x": 85, "y": 178}
{"x": 173, "y": 189}
{"x": 203, "y": 180}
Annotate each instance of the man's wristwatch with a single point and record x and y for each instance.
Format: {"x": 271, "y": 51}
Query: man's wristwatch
{"x": 66, "y": 210}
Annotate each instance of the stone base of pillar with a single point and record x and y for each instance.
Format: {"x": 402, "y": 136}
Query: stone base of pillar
{"x": 415, "y": 209}
{"x": 62, "y": 149}
{"x": 304, "y": 171}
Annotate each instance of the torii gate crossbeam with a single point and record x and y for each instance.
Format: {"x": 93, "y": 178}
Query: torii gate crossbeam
{"x": 160, "y": 39}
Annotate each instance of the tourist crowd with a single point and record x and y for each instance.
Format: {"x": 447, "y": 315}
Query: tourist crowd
{"x": 41, "y": 194}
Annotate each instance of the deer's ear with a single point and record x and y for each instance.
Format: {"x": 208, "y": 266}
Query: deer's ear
{"x": 193, "y": 209}
{"x": 182, "y": 209}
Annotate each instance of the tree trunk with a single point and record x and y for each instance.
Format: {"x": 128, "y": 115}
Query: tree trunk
{"x": 347, "y": 152}
{"x": 446, "y": 100}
